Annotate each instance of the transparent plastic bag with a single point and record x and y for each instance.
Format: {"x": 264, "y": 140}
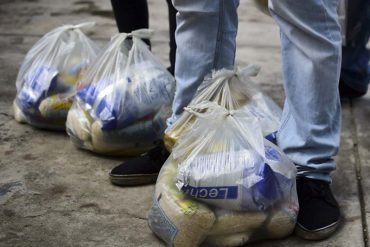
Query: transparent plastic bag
{"x": 225, "y": 161}
{"x": 120, "y": 106}
{"x": 232, "y": 89}
{"x": 46, "y": 82}
{"x": 181, "y": 221}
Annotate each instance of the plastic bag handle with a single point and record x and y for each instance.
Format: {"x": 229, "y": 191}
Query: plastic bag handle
{"x": 248, "y": 71}
{"x": 217, "y": 111}
{"x": 89, "y": 24}
{"x": 194, "y": 110}
{"x": 139, "y": 33}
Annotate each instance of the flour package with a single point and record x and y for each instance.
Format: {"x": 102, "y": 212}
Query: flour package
{"x": 46, "y": 82}
{"x": 233, "y": 90}
{"x": 225, "y": 161}
{"x": 182, "y": 221}
{"x": 120, "y": 106}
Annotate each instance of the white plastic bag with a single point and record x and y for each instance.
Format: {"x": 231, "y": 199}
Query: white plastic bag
{"x": 232, "y": 89}
{"x": 46, "y": 81}
{"x": 225, "y": 161}
{"x": 119, "y": 100}
{"x": 181, "y": 221}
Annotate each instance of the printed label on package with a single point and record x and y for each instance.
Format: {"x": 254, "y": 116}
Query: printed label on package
{"x": 224, "y": 192}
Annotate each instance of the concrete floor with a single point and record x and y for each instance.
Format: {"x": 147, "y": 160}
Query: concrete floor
{"x": 52, "y": 194}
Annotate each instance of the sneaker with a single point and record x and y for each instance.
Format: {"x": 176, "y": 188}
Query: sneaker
{"x": 319, "y": 215}
{"x": 140, "y": 170}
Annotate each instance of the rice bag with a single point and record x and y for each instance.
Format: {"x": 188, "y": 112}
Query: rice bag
{"x": 46, "y": 82}
{"x": 122, "y": 101}
{"x": 232, "y": 89}
{"x": 181, "y": 221}
{"x": 225, "y": 161}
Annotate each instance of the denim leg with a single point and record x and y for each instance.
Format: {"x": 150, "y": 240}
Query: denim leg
{"x": 206, "y": 38}
{"x": 311, "y": 53}
{"x": 355, "y": 71}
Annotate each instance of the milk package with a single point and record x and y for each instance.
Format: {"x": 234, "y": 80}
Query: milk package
{"x": 46, "y": 82}
{"x": 225, "y": 161}
{"x": 120, "y": 105}
{"x": 232, "y": 89}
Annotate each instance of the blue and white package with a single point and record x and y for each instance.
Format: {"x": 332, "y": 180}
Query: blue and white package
{"x": 144, "y": 94}
{"x": 35, "y": 88}
{"x": 224, "y": 161}
{"x": 249, "y": 184}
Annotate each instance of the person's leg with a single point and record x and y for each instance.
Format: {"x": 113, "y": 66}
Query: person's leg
{"x": 206, "y": 39}
{"x": 355, "y": 72}
{"x": 131, "y": 15}
{"x": 172, "y": 26}
{"x": 310, "y": 130}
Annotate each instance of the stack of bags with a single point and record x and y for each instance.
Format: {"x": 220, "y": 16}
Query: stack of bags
{"x": 120, "y": 102}
{"x": 225, "y": 184}
{"x": 46, "y": 82}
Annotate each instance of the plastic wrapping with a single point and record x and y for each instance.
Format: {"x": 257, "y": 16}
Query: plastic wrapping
{"x": 225, "y": 161}
{"x": 46, "y": 81}
{"x": 232, "y": 89}
{"x": 181, "y": 221}
{"x": 120, "y": 106}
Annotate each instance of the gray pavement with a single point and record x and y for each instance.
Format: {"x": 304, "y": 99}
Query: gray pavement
{"x": 52, "y": 194}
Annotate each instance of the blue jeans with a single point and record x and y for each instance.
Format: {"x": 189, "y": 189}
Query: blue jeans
{"x": 355, "y": 71}
{"x": 311, "y": 51}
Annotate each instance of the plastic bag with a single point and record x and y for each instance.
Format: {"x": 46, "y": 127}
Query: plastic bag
{"x": 46, "y": 81}
{"x": 181, "y": 221}
{"x": 225, "y": 161}
{"x": 120, "y": 106}
{"x": 232, "y": 89}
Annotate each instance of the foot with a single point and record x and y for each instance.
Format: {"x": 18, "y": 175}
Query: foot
{"x": 141, "y": 170}
{"x": 346, "y": 91}
{"x": 319, "y": 215}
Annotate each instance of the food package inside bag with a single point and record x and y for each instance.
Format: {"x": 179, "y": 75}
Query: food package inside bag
{"x": 46, "y": 82}
{"x": 233, "y": 89}
{"x": 181, "y": 221}
{"x": 225, "y": 161}
{"x": 122, "y": 100}
{"x": 174, "y": 217}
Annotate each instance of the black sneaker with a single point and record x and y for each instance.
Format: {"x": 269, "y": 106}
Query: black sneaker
{"x": 141, "y": 170}
{"x": 319, "y": 215}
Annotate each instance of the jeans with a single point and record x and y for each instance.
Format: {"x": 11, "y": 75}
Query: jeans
{"x": 355, "y": 71}
{"x": 206, "y": 30}
{"x": 311, "y": 53}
